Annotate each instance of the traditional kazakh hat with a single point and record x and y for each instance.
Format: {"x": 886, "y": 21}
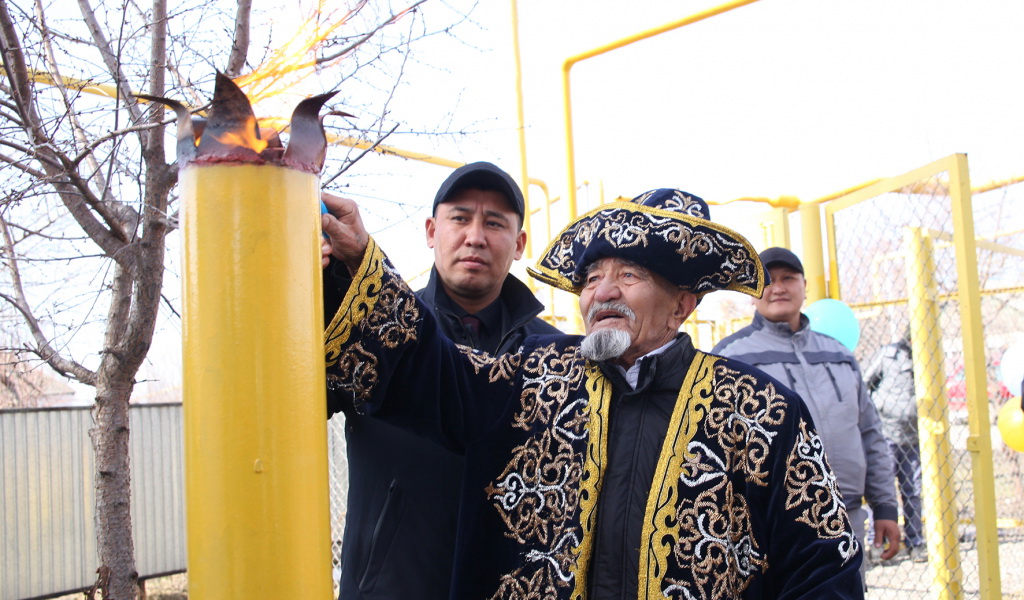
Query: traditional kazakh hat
{"x": 666, "y": 231}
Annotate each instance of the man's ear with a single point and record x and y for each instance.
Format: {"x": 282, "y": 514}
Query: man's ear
{"x": 429, "y": 226}
{"x": 686, "y": 303}
{"x": 520, "y": 243}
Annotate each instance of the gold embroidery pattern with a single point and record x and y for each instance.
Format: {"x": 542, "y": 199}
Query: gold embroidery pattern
{"x": 701, "y": 542}
{"x": 548, "y": 379}
{"x": 538, "y": 489}
{"x": 716, "y": 544}
{"x": 356, "y": 374}
{"x": 501, "y": 368}
{"x": 661, "y": 529}
{"x": 357, "y": 303}
{"x": 741, "y": 420}
{"x": 395, "y": 315}
{"x": 599, "y": 391}
{"x": 811, "y": 485}
{"x": 539, "y": 585}
{"x": 378, "y": 306}
{"x": 679, "y": 202}
{"x": 547, "y": 494}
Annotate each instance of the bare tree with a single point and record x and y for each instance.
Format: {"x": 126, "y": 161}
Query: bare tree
{"x": 89, "y": 196}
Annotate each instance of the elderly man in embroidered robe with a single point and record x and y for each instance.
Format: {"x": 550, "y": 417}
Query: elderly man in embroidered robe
{"x": 622, "y": 464}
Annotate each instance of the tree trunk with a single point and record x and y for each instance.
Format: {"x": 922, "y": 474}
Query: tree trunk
{"x": 124, "y": 345}
{"x": 113, "y": 489}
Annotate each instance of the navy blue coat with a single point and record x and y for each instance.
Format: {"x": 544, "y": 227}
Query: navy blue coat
{"x": 403, "y": 494}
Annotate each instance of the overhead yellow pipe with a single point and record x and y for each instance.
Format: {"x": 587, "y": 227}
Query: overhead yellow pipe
{"x": 103, "y": 89}
{"x": 88, "y": 87}
{"x": 256, "y": 487}
{"x": 995, "y": 185}
{"x": 572, "y": 60}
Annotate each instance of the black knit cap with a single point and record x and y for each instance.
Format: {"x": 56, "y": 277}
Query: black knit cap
{"x": 482, "y": 176}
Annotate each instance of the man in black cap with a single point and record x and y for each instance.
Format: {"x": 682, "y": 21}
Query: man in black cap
{"x": 403, "y": 490}
{"x": 622, "y": 464}
{"x": 827, "y": 377}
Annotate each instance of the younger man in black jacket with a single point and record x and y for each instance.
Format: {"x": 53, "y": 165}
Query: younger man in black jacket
{"x": 404, "y": 490}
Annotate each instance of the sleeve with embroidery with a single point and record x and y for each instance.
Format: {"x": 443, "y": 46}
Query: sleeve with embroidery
{"x": 385, "y": 355}
{"x": 778, "y": 511}
{"x": 816, "y": 553}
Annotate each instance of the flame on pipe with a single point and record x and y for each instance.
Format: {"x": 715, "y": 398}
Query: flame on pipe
{"x": 231, "y": 134}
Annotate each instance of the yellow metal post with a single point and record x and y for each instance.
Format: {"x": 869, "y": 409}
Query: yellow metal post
{"x": 940, "y": 509}
{"x": 979, "y": 443}
{"x": 257, "y": 494}
{"x": 521, "y": 127}
{"x": 813, "y": 258}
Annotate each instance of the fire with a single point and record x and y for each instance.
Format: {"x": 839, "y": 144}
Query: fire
{"x": 296, "y": 60}
{"x": 245, "y": 138}
{"x": 231, "y": 132}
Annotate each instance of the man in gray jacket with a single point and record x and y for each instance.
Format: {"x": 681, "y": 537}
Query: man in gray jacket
{"x": 890, "y": 379}
{"x": 827, "y": 377}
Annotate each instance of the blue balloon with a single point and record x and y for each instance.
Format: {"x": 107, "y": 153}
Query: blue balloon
{"x": 836, "y": 319}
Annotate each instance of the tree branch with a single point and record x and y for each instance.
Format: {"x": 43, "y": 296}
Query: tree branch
{"x": 110, "y": 59}
{"x": 21, "y": 167}
{"x": 43, "y": 349}
{"x": 368, "y": 35}
{"x": 58, "y": 168}
{"x": 240, "y": 44}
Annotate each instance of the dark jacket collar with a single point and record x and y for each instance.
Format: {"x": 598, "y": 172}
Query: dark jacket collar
{"x": 520, "y": 302}
{"x": 666, "y": 369}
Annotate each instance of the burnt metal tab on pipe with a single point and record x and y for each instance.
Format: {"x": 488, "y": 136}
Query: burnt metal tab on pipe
{"x": 231, "y": 132}
{"x": 188, "y": 134}
{"x": 307, "y": 145}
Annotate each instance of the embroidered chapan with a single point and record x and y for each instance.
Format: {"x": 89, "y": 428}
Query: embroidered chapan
{"x": 743, "y": 502}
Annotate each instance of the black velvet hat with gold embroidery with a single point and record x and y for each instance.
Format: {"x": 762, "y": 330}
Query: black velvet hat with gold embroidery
{"x": 666, "y": 231}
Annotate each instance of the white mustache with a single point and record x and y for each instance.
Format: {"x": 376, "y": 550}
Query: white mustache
{"x": 619, "y": 307}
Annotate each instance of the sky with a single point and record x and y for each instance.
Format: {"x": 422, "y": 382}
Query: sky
{"x": 778, "y": 98}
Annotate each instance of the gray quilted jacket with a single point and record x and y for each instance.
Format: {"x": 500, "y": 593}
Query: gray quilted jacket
{"x": 826, "y": 376}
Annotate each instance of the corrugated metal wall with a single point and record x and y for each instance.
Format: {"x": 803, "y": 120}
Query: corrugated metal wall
{"x": 46, "y": 505}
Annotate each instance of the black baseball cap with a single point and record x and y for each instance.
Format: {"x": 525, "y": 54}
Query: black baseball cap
{"x": 781, "y": 256}
{"x": 482, "y": 176}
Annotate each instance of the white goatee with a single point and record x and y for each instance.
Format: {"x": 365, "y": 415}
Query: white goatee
{"x": 605, "y": 344}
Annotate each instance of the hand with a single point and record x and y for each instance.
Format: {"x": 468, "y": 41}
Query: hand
{"x": 345, "y": 238}
{"x": 887, "y": 532}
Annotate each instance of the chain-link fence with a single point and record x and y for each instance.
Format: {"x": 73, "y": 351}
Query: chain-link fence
{"x": 337, "y": 461}
{"x": 896, "y": 264}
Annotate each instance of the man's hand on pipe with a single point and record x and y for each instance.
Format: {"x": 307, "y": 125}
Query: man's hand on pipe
{"x": 344, "y": 237}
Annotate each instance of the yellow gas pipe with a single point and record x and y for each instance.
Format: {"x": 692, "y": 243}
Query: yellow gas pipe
{"x": 256, "y": 477}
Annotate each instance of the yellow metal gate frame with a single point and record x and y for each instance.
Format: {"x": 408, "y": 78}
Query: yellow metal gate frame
{"x": 941, "y": 530}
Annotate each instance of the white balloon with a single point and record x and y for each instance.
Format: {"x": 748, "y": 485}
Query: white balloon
{"x": 1011, "y": 367}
